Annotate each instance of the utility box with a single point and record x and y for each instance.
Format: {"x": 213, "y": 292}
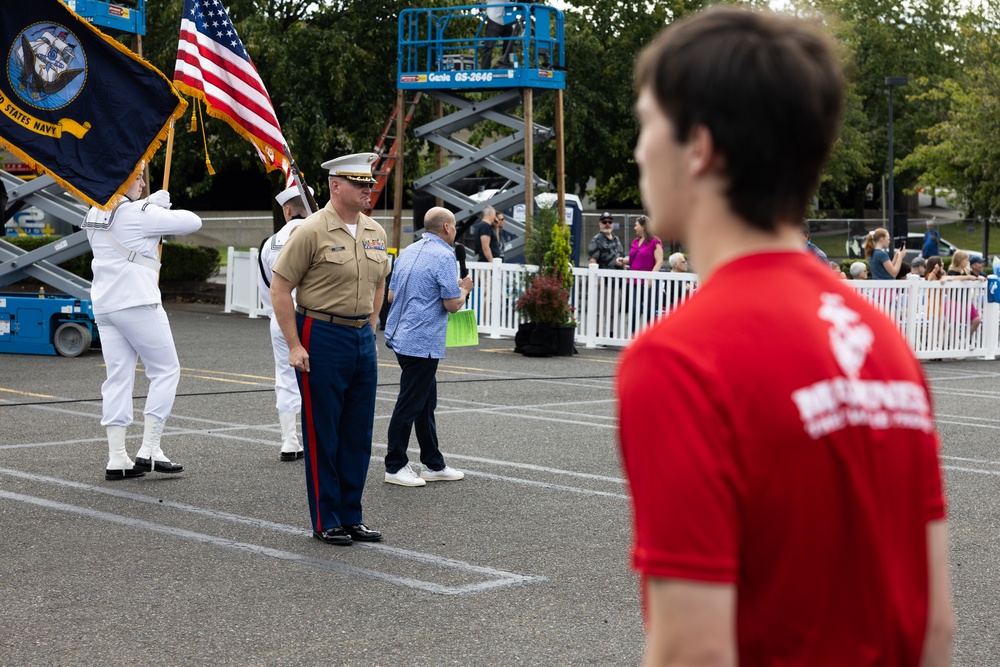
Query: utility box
{"x": 992, "y": 289}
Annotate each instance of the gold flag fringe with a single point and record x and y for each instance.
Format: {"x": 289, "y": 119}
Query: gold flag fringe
{"x": 198, "y": 111}
{"x": 154, "y": 145}
{"x": 197, "y": 94}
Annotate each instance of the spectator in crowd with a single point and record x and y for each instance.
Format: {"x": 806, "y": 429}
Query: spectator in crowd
{"x": 960, "y": 270}
{"x": 904, "y": 271}
{"x": 606, "y": 249}
{"x": 859, "y": 271}
{"x": 932, "y": 240}
{"x": 878, "y": 258}
{"x": 678, "y": 291}
{"x": 976, "y": 263}
{"x": 812, "y": 247}
{"x": 790, "y": 517}
{"x": 919, "y": 266}
{"x": 678, "y": 263}
{"x": 646, "y": 254}
{"x": 935, "y": 268}
{"x": 487, "y": 233}
{"x": 837, "y": 270}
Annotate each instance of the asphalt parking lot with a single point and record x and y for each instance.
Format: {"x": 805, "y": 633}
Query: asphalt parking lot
{"x": 524, "y": 562}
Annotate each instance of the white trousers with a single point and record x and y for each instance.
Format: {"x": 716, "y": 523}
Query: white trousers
{"x": 286, "y": 387}
{"x": 139, "y": 332}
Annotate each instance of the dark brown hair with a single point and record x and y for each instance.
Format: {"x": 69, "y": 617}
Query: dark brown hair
{"x": 768, "y": 88}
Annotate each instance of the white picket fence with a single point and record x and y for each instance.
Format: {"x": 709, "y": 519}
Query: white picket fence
{"x": 611, "y": 306}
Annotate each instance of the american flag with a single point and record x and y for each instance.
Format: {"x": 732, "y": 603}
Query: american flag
{"x": 213, "y": 66}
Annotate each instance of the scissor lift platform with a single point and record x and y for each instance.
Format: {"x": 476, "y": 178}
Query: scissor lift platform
{"x": 46, "y": 324}
{"x": 440, "y": 48}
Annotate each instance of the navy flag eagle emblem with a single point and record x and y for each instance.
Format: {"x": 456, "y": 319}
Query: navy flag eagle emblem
{"x": 76, "y": 104}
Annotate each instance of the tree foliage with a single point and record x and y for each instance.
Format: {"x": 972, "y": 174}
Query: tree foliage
{"x": 961, "y": 151}
{"x": 330, "y": 70}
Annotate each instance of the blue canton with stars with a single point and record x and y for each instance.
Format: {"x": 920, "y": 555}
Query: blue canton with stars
{"x": 211, "y": 20}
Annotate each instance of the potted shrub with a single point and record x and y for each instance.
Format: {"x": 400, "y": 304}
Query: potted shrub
{"x": 546, "y": 298}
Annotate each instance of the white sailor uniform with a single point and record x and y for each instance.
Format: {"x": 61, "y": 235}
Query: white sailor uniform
{"x": 132, "y": 322}
{"x": 286, "y": 387}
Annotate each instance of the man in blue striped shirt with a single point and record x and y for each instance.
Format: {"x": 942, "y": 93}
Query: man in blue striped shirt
{"x": 425, "y": 288}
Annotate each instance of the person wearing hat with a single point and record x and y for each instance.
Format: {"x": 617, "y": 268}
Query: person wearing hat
{"x": 606, "y": 249}
{"x": 976, "y": 263}
{"x": 918, "y": 266}
{"x": 286, "y": 387}
{"x": 133, "y": 324}
{"x": 336, "y": 262}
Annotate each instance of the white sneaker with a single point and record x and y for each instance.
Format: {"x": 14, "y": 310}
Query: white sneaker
{"x": 449, "y": 474}
{"x": 404, "y": 477}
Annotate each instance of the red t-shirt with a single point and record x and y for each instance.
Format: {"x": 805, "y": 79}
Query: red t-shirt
{"x": 777, "y": 434}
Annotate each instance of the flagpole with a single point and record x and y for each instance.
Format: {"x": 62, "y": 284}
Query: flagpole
{"x": 170, "y": 154}
{"x": 306, "y": 196}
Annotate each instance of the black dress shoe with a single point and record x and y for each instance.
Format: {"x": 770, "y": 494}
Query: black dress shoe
{"x": 292, "y": 456}
{"x": 363, "y": 533}
{"x": 158, "y": 466}
{"x": 123, "y": 474}
{"x": 336, "y": 536}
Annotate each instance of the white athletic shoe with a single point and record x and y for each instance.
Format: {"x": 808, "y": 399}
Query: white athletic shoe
{"x": 449, "y": 474}
{"x": 404, "y": 477}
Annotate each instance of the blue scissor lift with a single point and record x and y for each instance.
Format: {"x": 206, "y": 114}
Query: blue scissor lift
{"x": 55, "y": 323}
{"x": 440, "y": 55}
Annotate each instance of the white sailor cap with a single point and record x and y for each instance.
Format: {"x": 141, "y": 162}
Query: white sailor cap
{"x": 290, "y": 193}
{"x": 356, "y": 167}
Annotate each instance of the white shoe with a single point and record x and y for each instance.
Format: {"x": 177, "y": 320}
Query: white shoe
{"x": 448, "y": 474}
{"x": 404, "y": 477}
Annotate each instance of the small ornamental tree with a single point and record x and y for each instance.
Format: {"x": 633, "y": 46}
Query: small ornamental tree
{"x": 545, "y": 299}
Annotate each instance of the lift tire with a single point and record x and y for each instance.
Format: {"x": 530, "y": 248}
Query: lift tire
{"x": 71, "y": 339}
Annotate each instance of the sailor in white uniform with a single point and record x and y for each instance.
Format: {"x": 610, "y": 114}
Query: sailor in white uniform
{"x": 286, "y": 387}
{"x": 132, "y": 322}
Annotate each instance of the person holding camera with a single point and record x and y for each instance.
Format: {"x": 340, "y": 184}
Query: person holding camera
{"x": 876, "y": 245}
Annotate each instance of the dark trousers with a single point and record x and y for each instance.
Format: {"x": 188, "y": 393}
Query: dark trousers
{"x": 494, "y": 30}
{"x": 338, "y": 410}
{"x": 414, "y": 407}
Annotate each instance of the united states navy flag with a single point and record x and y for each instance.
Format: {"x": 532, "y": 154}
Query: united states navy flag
{"x": 76, "y": 104}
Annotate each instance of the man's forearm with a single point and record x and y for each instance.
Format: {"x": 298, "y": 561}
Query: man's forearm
{"x": 377, "y": 304}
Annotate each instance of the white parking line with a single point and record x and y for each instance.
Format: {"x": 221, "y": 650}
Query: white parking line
{"x": 975, "y": 470}
{"x": 496, "y": 578}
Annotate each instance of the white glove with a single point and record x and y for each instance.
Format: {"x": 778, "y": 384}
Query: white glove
{"x": 160, "y": 198}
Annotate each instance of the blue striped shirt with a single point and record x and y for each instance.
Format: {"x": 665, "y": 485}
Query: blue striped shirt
{"x": 424, "y": 274}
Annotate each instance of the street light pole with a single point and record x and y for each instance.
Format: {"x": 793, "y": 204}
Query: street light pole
{"x": 891, "y": 82}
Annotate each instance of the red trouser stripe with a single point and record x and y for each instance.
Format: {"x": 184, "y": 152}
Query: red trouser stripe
{"x": 307, "y": 411}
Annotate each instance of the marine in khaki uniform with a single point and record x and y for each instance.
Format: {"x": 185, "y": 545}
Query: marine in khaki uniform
{"x": 337, "y": 263}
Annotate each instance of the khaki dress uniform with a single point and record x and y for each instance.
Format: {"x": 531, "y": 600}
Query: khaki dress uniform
{"x": 336, "y": 274}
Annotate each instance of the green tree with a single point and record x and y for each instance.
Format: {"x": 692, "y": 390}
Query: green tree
{"x": 882, "y": 38}
{"x": 961, "y": 152}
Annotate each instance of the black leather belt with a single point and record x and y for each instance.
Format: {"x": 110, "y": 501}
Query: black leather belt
{"x": 357, "y": 322}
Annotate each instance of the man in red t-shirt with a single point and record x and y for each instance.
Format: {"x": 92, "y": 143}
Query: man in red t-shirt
{"x": 776, "y": 431}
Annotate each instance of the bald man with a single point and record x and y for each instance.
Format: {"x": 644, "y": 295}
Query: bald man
{"x": 425, "y": 289}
